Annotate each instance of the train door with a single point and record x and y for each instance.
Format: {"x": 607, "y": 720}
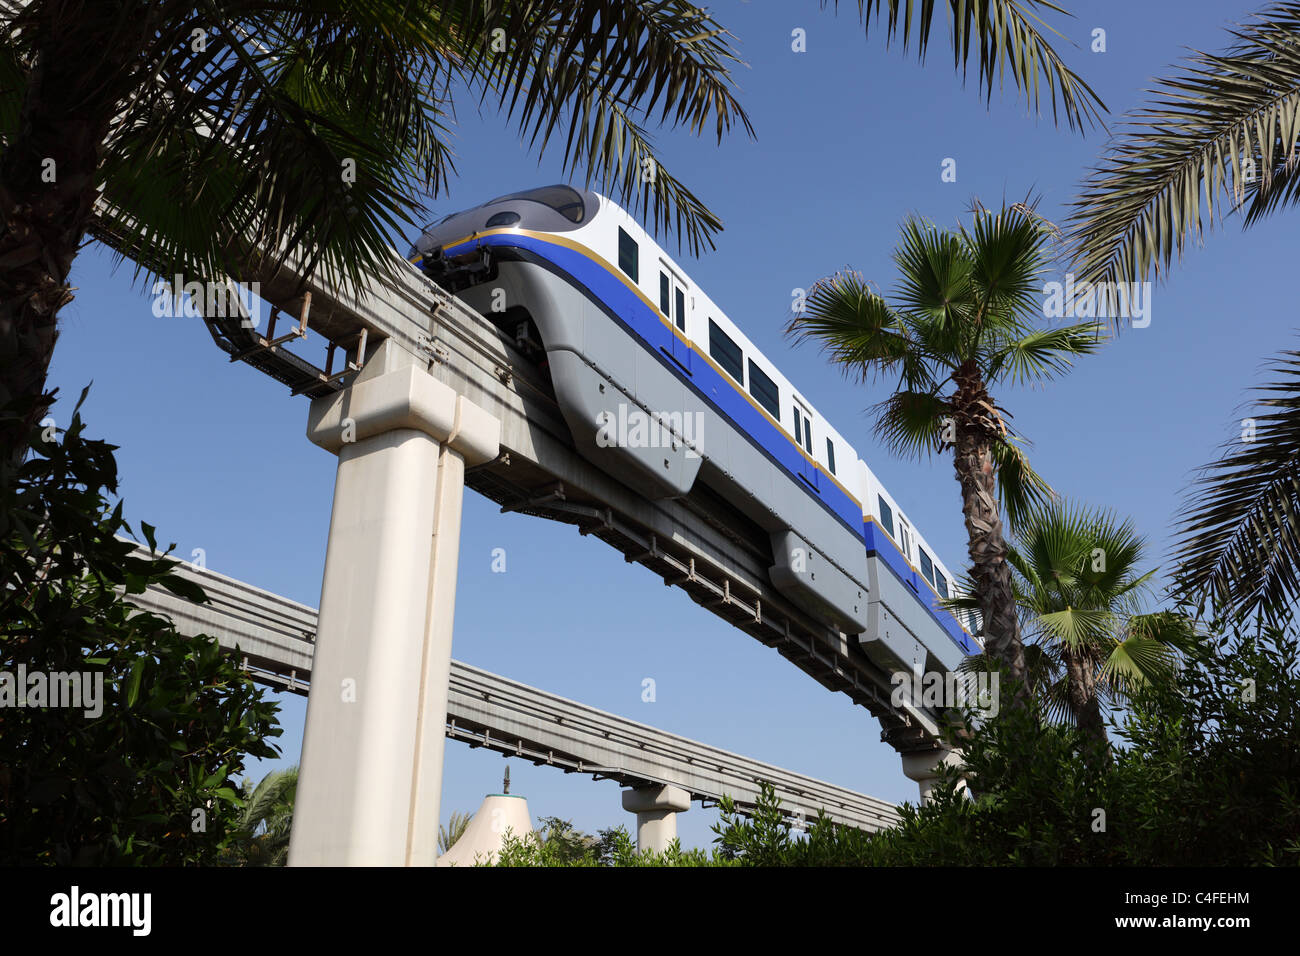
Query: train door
{"x": 913, "y": 578}
{"x": 673, "y": 300}
{"x": 803, "y": 437}
{"x": 905, "y": 538}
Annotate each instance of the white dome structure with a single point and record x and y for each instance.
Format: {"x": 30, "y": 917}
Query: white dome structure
{"x": 484, "y": 836}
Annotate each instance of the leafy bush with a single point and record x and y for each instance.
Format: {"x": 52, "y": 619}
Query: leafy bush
{"x": 1206, "y": 772}
{"x": 614, "y": 846}
{"x": 151, "y": 779}
{"x": 1212, "y": 773}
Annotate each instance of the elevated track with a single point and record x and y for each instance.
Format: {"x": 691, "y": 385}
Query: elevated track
{"x": 273, "y": 638}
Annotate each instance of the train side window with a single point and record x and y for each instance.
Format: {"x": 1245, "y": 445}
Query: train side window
{"x": 726, "y": 352}
{"x": 905, "y": 538}
{"x": 940, "y": 584}
{"x": 665, "y": 295}
{"x": 830, "y": 455}
{"x": 927, "y": 566}
{"x": 680, "y": 303}
{"x": 886, "y": 516}
{"x": 628, "y": 254}
{"x": 764, "y": 390}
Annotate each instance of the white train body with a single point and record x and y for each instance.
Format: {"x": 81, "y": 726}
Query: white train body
{"x": 627, "y": 336}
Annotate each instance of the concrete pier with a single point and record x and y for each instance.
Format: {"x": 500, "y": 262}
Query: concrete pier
{"x": 923, "y": 767}
{"x": 371, "y": 771}
{"x": 656, "y": 810}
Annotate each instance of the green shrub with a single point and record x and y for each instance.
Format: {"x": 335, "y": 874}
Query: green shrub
{"x": 152, "y": 778}
{"x": 1206, "y": 771}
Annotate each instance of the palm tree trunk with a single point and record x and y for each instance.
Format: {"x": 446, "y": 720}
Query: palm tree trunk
{"x": 48, "y": 172}
{"x": 976, "y": 429}
{"x": 1081, "y": 692}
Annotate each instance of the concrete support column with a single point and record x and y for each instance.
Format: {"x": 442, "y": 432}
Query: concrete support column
{"x": 923, "y": 767}
{"x": 656, "y": 810}
{"x": 371, "y": 770}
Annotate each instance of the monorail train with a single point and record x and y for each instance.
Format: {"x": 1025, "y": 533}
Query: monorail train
{"x": 576, "y": 280}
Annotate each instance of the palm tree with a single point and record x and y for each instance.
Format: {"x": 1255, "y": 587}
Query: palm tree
{"x": 1239, "y": 548}
{"x": 456, "y": 826}
{"x": 1081, "y": 599}
{"x": 309, "y": 128}
{"x": 262, "y": 836}
{"x": 1221, "y": 134}
{"x": 963, "y": 313}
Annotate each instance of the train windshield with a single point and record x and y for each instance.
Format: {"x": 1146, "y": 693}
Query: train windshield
{"x": 563, "y": 199}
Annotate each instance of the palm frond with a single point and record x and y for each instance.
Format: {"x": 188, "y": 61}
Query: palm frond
{"x": 1109, "y": 571}
{"x": 1222, "y": 129}
{"x": 306, "y": 132}
{"x": 1044, "y": 675}
{"x": 1021, "y": 489}
{"x": 617, "y": 155}
{"x": 1009, "y": 250}
{"x": 1053, "y": 694}
{"x": 456, "y": 826}
{"x": 1173, "y": 630}
{"x": 262, "y": 833}
{"x": 1135, "y": 661}
{"x": 1007, "y": 41}
{"x": 1026, "y": 581}
{"x": 1041, "y": 355}
{"x": 910, "y": 423}
{"x": 1077, "y": 628}
{"x": 599, "y": 67}
{"x": 1239, "y": 543}
{"x": 853, "y": 325}
{"x": 935, "y": 275}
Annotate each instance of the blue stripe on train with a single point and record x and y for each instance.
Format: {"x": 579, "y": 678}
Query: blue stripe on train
{"x": 706, "y": 381}
{"x": 717, "y": 390}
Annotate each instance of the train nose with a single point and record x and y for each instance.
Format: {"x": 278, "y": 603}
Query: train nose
{"x": 425, "y": 249}
{"x": 471, "y": 263}
{"x": 435, "y": 236}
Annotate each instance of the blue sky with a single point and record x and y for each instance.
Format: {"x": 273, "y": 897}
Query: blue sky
{"x": 850, "y": 139}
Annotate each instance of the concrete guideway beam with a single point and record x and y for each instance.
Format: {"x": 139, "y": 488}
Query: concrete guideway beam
{"x": 656, "y": 810}
{"x": 371, "y": 770}
{"x": 275, "y": 636}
